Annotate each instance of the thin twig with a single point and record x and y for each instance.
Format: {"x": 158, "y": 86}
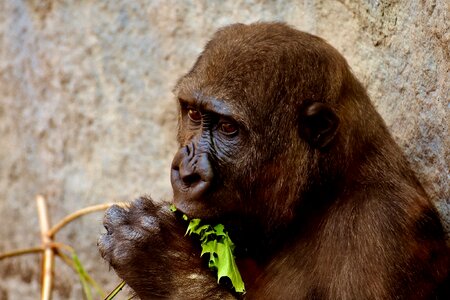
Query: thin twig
{"x": 48, "y": 257}
{"x": 50, "y": 248}
{"x": 33, "y": 250}
{"x": 116, "y": 290}
{"x": 69, "y": 218}
{"x": 21, "y": 252}
{"x": 67, "y": 260}
{"x": 58, "y": 246}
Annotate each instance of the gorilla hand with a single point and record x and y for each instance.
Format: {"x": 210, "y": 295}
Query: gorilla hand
{"x": 146, "y": 246}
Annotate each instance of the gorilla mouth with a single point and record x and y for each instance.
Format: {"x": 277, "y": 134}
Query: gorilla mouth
{"x": 193, "y": 208}
{"x": 195, "y": 201}
{"x": 191, "y": 188}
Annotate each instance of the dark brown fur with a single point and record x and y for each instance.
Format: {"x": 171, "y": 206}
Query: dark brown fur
{"x": 317, "y": 196}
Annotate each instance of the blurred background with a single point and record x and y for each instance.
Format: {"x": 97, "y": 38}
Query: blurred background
{"x": 87, "y": 115}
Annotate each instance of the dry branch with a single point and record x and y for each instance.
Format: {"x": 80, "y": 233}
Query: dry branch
{"x": 50, "y": 248}
{"x": 66, "y": 220}
{"x": 48, "y": 257}
{"x": 21, "y": 252}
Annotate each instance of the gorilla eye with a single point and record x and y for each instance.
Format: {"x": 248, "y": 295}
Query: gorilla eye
{"x": 228, "y": 128}
{"x": 194, "y": 115}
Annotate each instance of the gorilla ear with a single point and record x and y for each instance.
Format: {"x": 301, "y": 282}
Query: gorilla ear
{"x": 318, "y": 124}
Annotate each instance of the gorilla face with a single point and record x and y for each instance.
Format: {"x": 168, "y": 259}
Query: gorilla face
{"x": 251, "y": 116}
{"x": 211, "y": 138}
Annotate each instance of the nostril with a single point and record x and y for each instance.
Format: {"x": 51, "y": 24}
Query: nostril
{"x": 190, "y": 174}
{"x": 191, "y": 179}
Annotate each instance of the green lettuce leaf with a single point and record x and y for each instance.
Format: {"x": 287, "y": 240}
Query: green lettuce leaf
{"x": 216, "y": 243}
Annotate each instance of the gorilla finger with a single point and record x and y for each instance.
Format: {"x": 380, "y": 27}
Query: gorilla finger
{"x": 149, "y": 224}
{"x": 104, "y": 244}
{"x": 132, "y": 233}
{"x": 144, "y": 203}
{"x": 114, "y": 216}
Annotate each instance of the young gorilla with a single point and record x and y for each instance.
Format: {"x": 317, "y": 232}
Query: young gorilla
{"x": 279, "y": 142}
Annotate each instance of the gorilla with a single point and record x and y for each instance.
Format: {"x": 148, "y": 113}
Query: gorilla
{"x": 279, "y": 142}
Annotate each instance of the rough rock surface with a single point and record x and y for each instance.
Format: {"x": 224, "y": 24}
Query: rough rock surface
{"x": 87, "y": 115}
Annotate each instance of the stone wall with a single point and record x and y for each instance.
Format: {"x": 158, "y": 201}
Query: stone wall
{"x": 87, "y": 115}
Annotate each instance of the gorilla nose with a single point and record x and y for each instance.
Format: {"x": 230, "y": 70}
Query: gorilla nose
{"x": 191, "y": 173}
{"x": 189, "y": 176}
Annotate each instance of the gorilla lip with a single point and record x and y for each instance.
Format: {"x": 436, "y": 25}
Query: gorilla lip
{"x": 194, "y": 208}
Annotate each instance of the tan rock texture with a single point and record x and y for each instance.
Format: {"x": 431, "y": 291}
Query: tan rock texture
{"x": 87, "y": 115}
